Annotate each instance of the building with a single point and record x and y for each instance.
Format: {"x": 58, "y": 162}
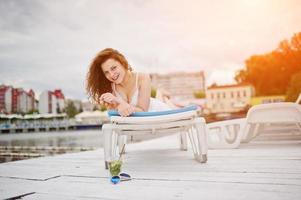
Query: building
{"x": 267, "y": 99}
{"x": 51, "y": 102}
{"x": 5, "y": 99}
{"x": 180, "y": 85}
{"x": 228, "y": 98}
{"x": 87, "y": 106}
{"x": 60, "y": 100}
{"x": 16, "y": 100}
{"x": 46, "y": 99}
{"x": 21, "y": 98}
{"x": 31, "y": 100}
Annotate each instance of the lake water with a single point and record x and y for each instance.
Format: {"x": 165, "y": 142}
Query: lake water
{"x": 82, "y": 138}
{"x": 18, "y": 146}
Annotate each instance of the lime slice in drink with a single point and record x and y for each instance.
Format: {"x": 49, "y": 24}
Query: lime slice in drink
{"x": 115, "y": 167}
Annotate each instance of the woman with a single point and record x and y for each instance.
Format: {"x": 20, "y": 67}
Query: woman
{"x": 111, "y": 82}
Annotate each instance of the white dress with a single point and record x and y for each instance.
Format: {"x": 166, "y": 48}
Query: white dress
{"x": 154, "y": 104}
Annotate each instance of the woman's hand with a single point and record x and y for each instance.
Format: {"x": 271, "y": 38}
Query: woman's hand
{"x": 108, "y": 98}
{"x": 107, "y": 105}
{"x": 125, "y": 109}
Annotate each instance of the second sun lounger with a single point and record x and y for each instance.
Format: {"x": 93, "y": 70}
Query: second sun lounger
{"x": 230, "y": 133}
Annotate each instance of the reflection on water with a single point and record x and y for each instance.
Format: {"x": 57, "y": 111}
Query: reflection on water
{"x": 20, "y": 146}
{"x": 83, "y": 138}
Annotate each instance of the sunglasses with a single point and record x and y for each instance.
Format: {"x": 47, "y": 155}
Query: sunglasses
{"x": 121, "y": 177}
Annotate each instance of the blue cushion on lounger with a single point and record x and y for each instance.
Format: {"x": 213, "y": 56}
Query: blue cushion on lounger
{"x": 156, "y": 113}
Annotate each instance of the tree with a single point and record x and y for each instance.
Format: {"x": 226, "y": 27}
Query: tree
{"x": 81, "y": 108}
{"x": 214, "y": 84}
{"x": 32, "y": 111}
{"x": 96, "y": 107}
{"x": 271, "y": 73}
{"x": 71, "y": 109}
{"x": 294, "y": 88}
{"x": 199, "y": 94}
{"x": 153, "y": 92}
{"x": 103, "y": 108}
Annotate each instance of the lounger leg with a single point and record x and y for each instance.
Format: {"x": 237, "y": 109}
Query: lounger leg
{"x": 198, "y": 138}
{"x": 107, "y": 142}
{"x": 248, "y": 132}
{"x": 193, "y": 136}
{"x": 202, "y": 145}
{"x": 183, "y": 141}
{"x": 256, "y": 131}
{"x": 299, "y": 124}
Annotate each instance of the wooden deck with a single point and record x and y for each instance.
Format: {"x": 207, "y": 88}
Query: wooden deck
{"x": 259, "y": 170}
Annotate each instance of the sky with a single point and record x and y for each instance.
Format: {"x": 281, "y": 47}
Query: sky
{"x": 45, "y": 45}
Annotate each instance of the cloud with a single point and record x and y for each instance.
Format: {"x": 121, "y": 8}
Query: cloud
{"x": 49, "y": 44}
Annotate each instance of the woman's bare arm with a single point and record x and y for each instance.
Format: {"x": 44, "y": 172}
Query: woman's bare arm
{"x": 144, "y": 90}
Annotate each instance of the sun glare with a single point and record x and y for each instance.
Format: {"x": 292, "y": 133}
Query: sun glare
{"x": 253, "y": 3}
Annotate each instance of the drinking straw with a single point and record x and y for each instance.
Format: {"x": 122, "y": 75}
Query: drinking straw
{"x": 120, "y": 154}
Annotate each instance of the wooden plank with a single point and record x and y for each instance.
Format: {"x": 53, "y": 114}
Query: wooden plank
{"x": 10, "y": 188}
{"x": 100, "y": 188}
{"x": 259, "y": 170}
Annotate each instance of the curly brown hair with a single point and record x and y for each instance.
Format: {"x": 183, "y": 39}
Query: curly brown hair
{"x": 97, "y": 83}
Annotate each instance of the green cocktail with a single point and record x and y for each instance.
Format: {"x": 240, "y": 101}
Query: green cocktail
{"x": 115, "y": 167}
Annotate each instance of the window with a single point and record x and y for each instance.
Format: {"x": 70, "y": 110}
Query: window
{"x": 266, "y": 101}
{"x": 245, "y": 93}
{"x": 214, "y": 106}
{"x": 222, "y": 106}
{"x": 277, "y": 100}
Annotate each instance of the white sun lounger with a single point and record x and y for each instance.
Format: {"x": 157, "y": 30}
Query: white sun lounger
{"x": 298, "y": 100}
{"x": 263, "y": 115}
{"x": 230, "y": 133}
{"x": 183, "y": 121}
